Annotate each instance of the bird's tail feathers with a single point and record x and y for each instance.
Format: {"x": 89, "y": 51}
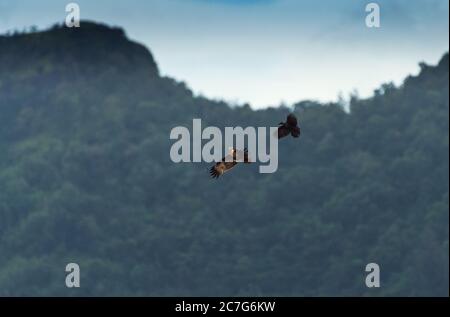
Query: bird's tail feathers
{"x": 295, "y": 132}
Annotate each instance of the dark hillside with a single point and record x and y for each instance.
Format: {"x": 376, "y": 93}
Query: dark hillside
{"x": 86, "y": 177}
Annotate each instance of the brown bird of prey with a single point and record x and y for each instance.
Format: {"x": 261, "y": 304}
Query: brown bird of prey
{"x": 289, "y": 127}
{"x": 229, "y": 161}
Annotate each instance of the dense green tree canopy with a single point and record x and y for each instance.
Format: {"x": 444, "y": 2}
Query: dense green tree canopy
{"x": 86, "y": 177}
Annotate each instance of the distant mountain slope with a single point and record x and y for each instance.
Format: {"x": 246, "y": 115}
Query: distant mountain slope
{"x": 85, "y": 177}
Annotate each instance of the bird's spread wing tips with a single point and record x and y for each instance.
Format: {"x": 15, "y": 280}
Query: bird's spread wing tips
{"x": 213, "y": 172}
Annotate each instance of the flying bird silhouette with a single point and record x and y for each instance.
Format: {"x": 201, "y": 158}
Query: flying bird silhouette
{"x": 229, "y": 161}
{"x": 289, "y": 127}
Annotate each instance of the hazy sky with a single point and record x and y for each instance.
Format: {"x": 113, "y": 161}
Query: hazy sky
{"x": 266, "y": 51}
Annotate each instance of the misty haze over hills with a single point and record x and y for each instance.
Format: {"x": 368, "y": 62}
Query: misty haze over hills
{"x": 86, "y": 177}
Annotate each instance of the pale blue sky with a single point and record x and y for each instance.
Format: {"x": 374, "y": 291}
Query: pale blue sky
{"x": 266, "y": 51}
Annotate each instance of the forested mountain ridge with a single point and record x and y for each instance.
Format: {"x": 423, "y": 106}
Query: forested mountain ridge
{"x": 86, "y": 177}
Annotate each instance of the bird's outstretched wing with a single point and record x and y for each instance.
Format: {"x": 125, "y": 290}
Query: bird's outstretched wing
{"x": 228, "y": 162}
{"x": 283, "y": 131}
{"x": 220, "y": 168}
